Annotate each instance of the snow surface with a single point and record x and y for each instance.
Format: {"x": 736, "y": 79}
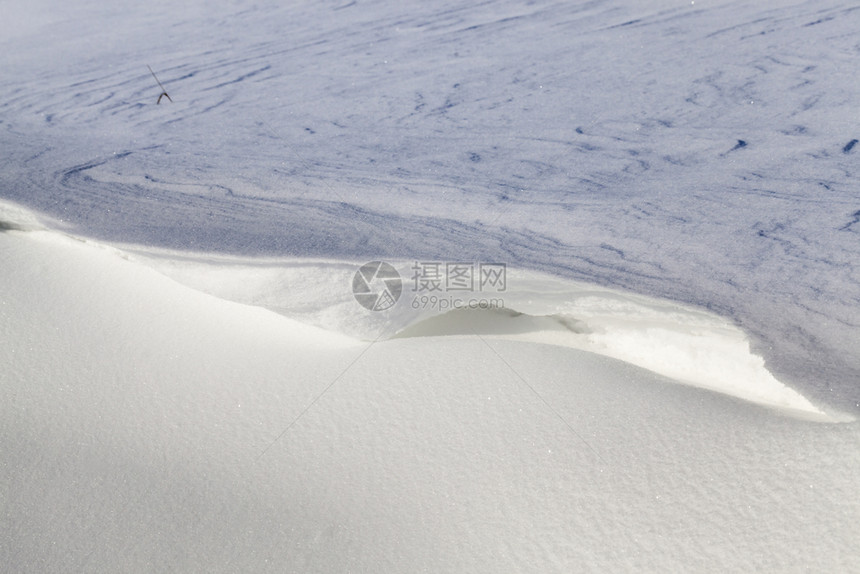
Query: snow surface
{"x": 187, "y": 383}
{"x": 700, "y": 152}
{"x": 148, "y": 426}
{"x": 689, "y": 345}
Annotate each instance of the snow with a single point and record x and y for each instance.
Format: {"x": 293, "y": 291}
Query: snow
{"x": 149, "y": 426}
{"x": 597, "y": 142}
{"x": 686, "y": 344}
{"x": 667, "y": 382}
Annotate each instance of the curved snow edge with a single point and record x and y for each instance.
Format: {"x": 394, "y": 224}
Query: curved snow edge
{"x": 688, "y": 345}
{"x": 693, "y": 349}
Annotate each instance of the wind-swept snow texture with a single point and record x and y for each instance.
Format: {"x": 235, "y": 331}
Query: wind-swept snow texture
{"x": 187, "y": 384}
{"x": 697, "y": 151}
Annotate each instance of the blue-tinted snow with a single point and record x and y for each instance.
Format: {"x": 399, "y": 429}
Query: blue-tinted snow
{"x": 699, "y": 151}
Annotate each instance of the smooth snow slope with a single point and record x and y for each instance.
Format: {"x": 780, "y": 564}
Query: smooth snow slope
{"x": 149, "y": 427}
{"x": 704, "y": 152}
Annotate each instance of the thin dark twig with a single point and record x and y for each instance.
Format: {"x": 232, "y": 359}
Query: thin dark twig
{"x": 163, "y": 90}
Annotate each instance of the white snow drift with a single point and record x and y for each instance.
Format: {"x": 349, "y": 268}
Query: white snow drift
{"x": 187, "y": 384}
{"x": 147, "y": 426}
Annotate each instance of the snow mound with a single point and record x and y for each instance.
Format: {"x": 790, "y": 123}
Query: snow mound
{"x": 688, "y": 345}
{"x": 147, "y": 426}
